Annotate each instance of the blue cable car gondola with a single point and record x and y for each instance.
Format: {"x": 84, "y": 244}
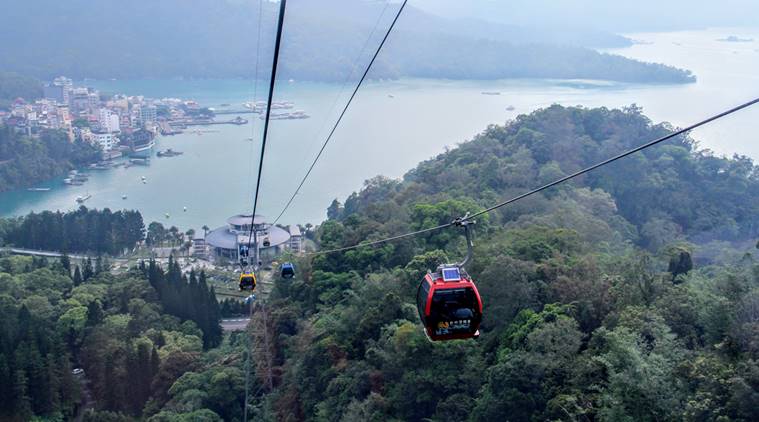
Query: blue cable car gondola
{"x": 288, "y": 270}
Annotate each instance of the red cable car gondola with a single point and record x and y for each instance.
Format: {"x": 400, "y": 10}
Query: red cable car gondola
{"x": 448, "y": 302}
{"x": 449, "y": 305}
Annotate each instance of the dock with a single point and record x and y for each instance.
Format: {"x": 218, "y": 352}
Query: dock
{"x": 221, "y": 112}
{"x": 236, "y": 121}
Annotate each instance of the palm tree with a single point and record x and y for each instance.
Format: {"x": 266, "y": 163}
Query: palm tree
{"x": 205, "y": 230}
{"x": 174, "y": 232}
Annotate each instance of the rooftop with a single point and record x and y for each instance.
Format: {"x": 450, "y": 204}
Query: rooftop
{"x": 223, "y": 238}
{"x": 243, "y": 219}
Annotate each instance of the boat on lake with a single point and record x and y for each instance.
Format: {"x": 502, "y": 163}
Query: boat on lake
{"x": 73, "y": 182}
{"x": 140, "y": 161}
{"x": 295, "y": 115}
{"x": 169, "y": 153}
{"x": 260, "y": 106}
{"x": 491, "y": 93}
{"x": 38, "y": 189}
{"x": 103, "y": 165}
{"x": 81, "y": 199}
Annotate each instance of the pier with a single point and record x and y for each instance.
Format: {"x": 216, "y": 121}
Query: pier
{"x": 221, "y": 112}
{"x": 236, "y": 121}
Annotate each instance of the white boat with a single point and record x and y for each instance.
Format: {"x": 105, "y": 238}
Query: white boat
{"x": 38, "y": 189}
{"x": 123, "y": 197}
{"x": 81, "y": 199}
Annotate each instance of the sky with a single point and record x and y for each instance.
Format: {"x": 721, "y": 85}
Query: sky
{"x": 610, "y": 15}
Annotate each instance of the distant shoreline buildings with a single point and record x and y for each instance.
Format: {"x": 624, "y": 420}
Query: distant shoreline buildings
{"x": 118, "y": 124}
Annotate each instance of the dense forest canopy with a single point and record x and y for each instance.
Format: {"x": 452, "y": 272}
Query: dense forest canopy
{"x": 604, "y": 299}
{"x": 214, "y": 39}
{"x": 133, "y": 335}
{"x": 25, "y": 161}
{"x": 630, "y": 294}
{"x": 101, "y": 232}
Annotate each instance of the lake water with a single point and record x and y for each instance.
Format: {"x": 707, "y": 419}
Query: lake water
{"x": 390, "y": 135}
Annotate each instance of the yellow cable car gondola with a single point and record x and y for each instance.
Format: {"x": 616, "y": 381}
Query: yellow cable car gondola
{"x": 247, "y": 281}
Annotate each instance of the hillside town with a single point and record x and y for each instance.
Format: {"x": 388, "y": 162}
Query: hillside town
{"x": 118, "y": 124}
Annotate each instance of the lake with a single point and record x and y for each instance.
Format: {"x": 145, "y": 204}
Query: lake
{"x": 391, "y": 126}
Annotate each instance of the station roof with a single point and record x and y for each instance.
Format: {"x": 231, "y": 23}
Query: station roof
{"x": 223, "y": 238}
{"x": 243, "y": 219}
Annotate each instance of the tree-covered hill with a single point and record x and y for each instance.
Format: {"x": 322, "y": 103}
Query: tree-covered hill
{"x": 322, "y": 40}
{"x": 25, "y": 161}
{"x": 594, "y": 307}
{"x": 628, "y": 295}
{"x": 13, "y": 86}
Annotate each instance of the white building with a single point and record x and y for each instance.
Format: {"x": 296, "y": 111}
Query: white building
{"x": 296, "y": 239}
{"x": 109, "y": 121}
{"x": 148, "y": 114}
{"x": 107, "y": 141}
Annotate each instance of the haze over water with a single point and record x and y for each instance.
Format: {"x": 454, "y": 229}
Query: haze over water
{"x": 389, "y": 135}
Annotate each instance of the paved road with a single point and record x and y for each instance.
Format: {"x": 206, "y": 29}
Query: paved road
{"x": 234, "y": 324}
{"x": 51, "y": 254}
{"x": 86, "y": 402}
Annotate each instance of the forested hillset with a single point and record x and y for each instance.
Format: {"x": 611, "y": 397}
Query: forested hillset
{"x": 395, "y": 210}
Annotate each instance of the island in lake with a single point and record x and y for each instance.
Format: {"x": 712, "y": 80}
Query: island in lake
{"x": 735, "y": 38}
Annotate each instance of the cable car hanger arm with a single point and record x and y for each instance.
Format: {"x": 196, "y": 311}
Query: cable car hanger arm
{"x": 465, "y": 222}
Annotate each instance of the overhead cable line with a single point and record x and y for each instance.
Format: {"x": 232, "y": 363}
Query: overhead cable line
{"x": 461, "y": 220}
{"x": 337, "y": 98}
{"x": 255, "y": 92}
{"x": 275, "y": 62}
{"x": 342, "y": 114}
{"x": 250, "y": 173}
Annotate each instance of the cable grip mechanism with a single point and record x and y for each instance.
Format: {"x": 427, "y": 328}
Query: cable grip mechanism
{"x": 465, "y": 222}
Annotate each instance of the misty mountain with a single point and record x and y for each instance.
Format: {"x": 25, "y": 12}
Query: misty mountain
{"x": 601, "y": 15}
{"x": 322, "y": 41}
